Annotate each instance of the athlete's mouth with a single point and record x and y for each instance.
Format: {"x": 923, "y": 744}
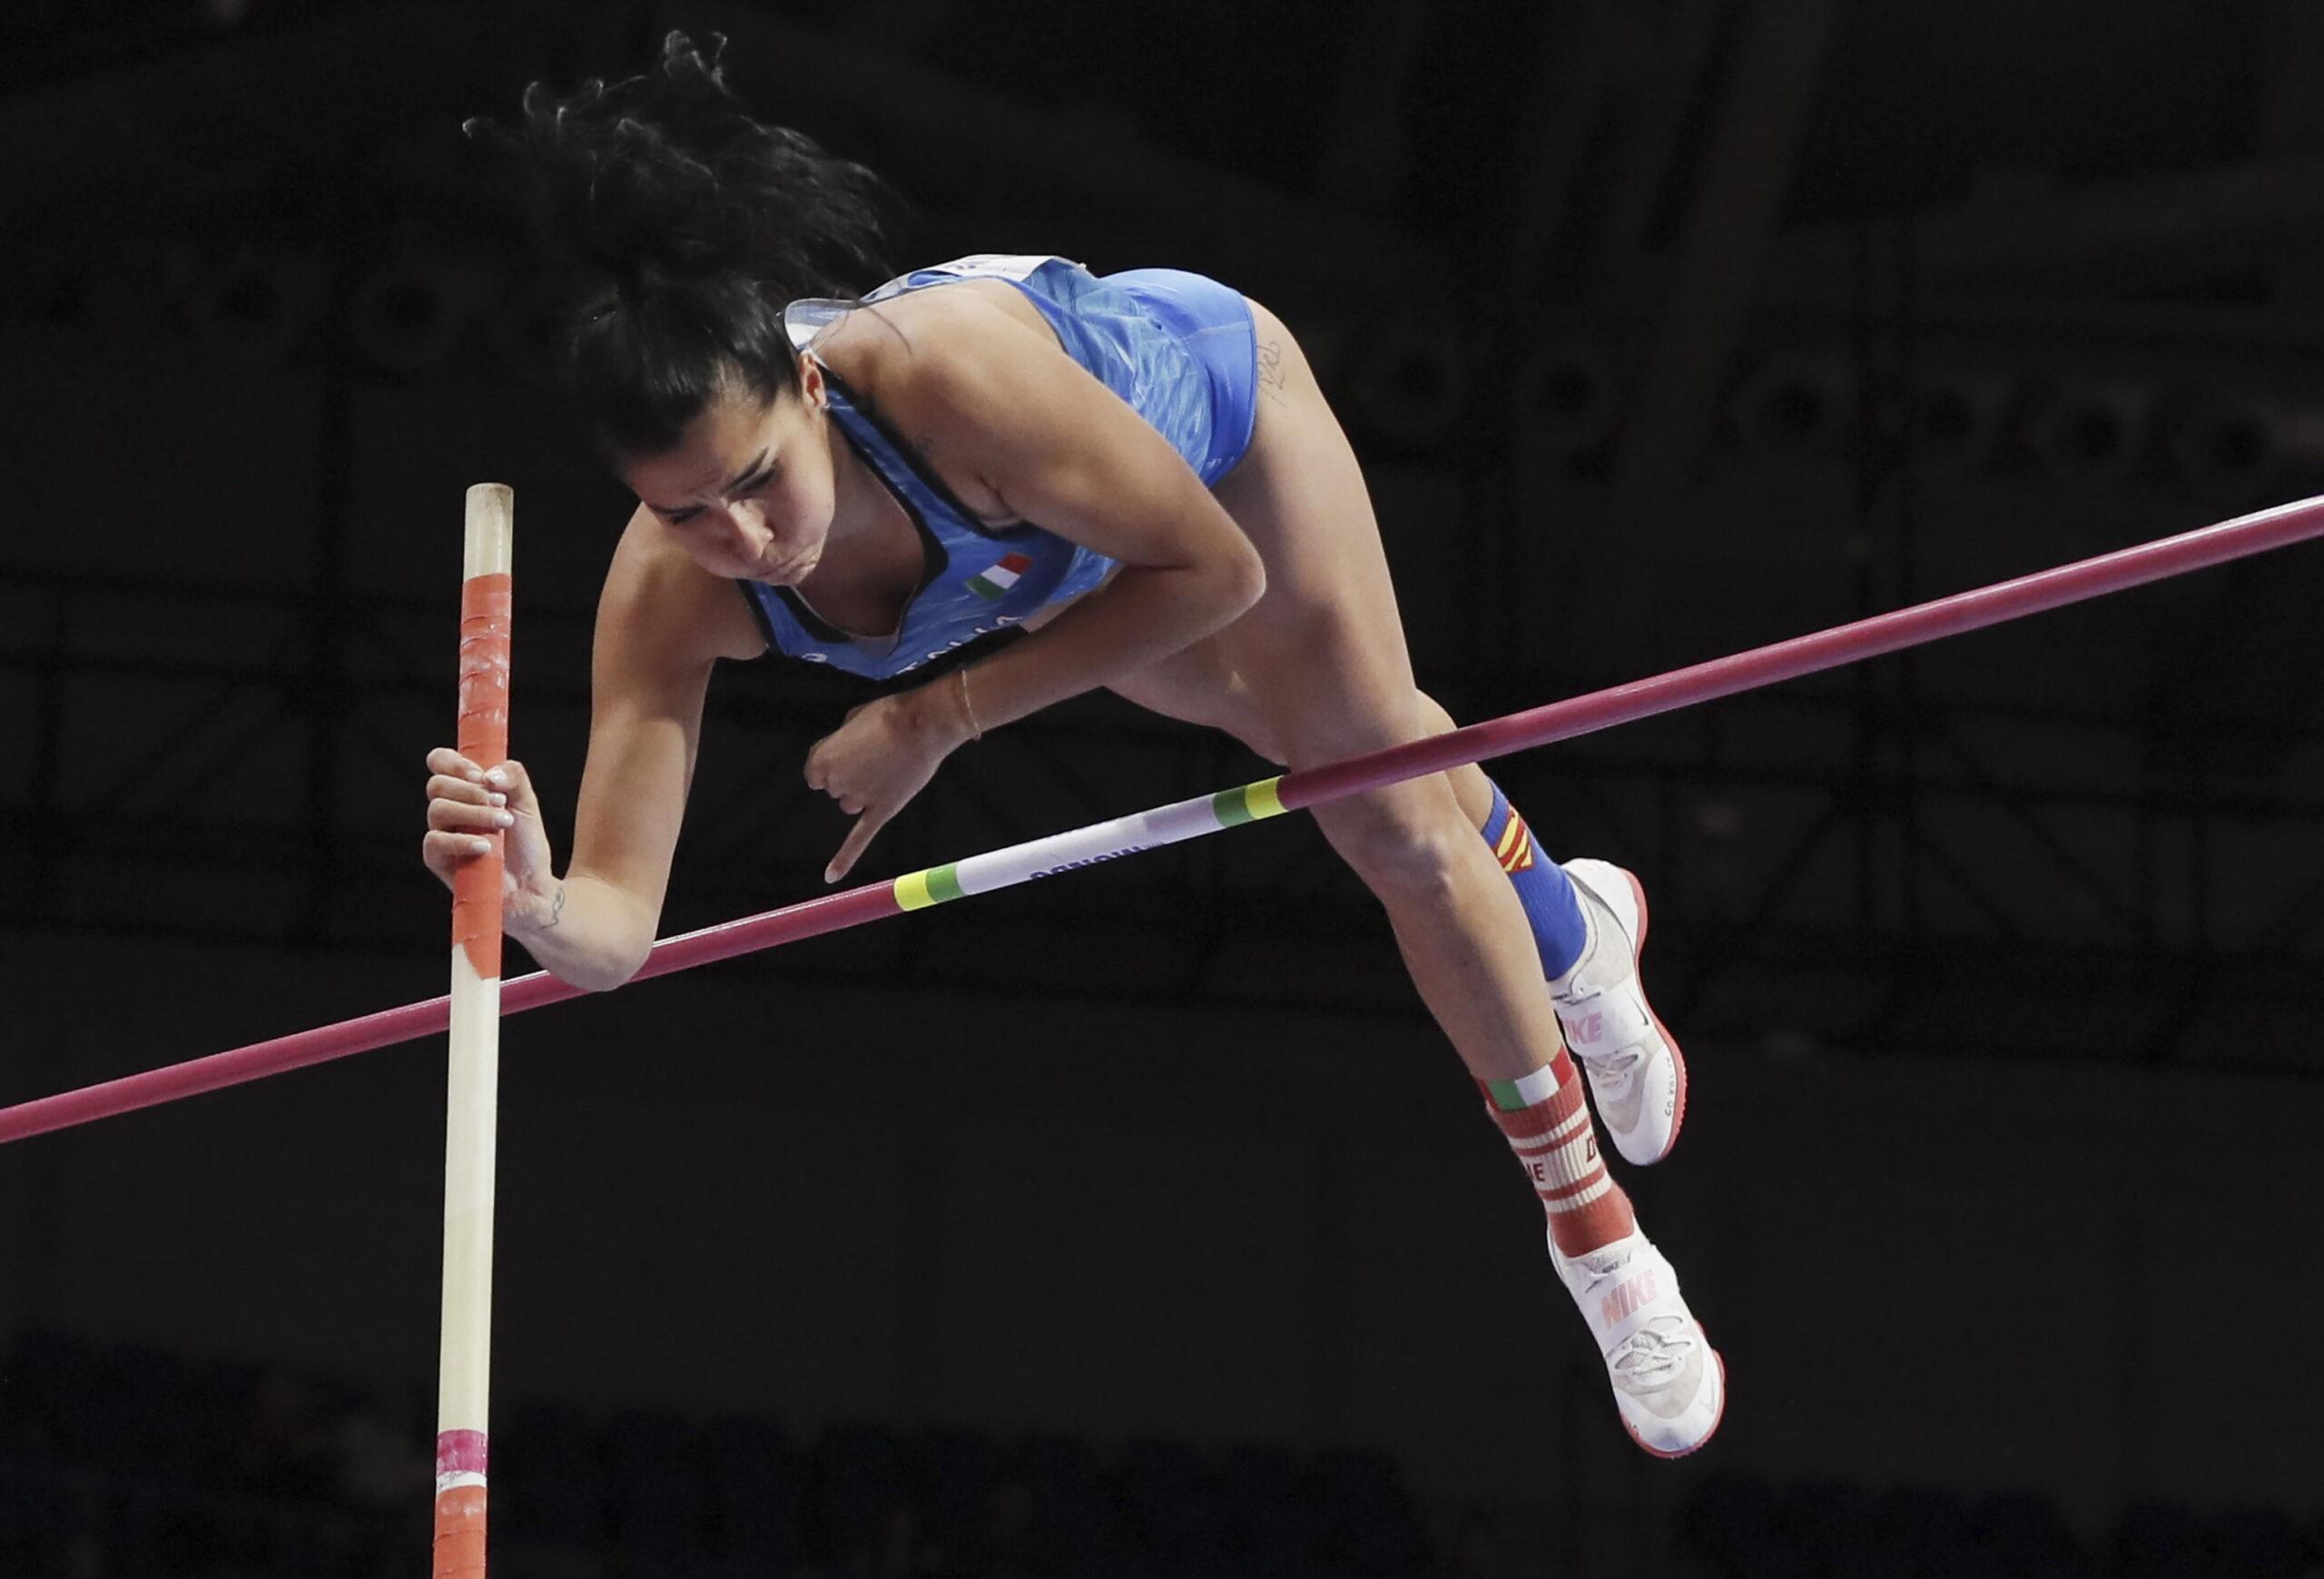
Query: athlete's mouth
{"x": 787, "y": 572}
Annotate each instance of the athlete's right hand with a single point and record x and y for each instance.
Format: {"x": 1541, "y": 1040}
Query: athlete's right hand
{"x": 465, "y": 804}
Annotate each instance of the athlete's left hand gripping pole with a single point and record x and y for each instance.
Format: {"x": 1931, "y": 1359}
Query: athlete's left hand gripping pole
{"x": 472, "y": 1101}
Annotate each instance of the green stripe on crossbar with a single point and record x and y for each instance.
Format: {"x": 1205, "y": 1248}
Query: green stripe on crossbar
{"x": 1247, "y": 803}
{"x": 919, "y": 890}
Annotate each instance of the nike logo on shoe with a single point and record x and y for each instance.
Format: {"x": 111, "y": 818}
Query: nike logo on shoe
{"x": 1627, "y": 1297}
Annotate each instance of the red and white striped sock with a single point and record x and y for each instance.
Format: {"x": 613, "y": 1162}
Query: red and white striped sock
{"x": 1548, "y": 1126}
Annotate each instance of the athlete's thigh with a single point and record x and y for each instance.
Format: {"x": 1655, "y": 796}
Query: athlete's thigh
{"x": 1200, "y": 686}
{"x": 1323, "y": 651}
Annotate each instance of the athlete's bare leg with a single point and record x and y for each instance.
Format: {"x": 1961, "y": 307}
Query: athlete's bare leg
{"x": 1318, "y": 670}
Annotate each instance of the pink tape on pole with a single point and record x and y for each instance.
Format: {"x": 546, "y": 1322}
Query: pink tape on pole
{"x": 461, "y": 1455}
{"x": 1761, "y": 666}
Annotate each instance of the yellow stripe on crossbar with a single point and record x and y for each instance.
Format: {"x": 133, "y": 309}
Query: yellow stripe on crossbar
{"x": 911, "y": 891}
{"x": 1262, "y": 799}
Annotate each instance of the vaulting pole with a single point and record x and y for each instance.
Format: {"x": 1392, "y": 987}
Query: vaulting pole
{"x": 471, "y": 1107}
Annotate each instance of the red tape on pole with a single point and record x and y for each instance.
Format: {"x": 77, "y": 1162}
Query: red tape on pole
{"x": 1760, "y": 667}
{"x": 483, "y": 740}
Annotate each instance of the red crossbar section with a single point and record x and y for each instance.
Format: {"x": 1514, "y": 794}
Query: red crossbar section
{"x": 1767, "y": 665}
{"x": 431, "y": 1017}
{"x": 1805, "y": 655}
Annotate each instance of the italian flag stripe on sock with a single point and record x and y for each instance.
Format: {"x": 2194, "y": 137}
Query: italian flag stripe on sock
{"x": 996, "y": 579}
{"x": 1515, "y": 1096}
{"x": 1543, "y": 1118}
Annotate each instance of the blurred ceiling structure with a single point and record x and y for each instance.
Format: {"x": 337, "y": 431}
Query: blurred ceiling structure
{"x": 1666, "y": 329}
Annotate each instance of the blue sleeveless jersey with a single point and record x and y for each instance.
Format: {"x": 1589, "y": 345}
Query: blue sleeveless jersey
{"x": 1178, "y": 348}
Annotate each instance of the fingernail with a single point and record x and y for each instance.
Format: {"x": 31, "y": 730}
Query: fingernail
{"x": 482, "y": 847}
{"x": 496, "y": 779}
{"x": 505, "y": 819}
{"x": 495, "y": 799}
{"x": 475, "y": 776}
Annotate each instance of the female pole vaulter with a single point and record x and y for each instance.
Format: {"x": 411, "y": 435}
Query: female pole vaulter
{"x": 1138, "y": 469}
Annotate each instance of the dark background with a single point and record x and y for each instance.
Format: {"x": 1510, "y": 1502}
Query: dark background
{"x": 1665, "y": 329}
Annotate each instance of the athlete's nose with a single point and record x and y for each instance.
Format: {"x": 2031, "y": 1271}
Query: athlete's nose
{"x": 751, "y": 534}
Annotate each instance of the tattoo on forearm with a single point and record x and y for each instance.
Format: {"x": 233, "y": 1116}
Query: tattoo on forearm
{"x": 556, "y": 909}
{"x": 1271, "y": 371}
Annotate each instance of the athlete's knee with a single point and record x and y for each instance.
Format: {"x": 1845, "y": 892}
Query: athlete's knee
{"x": 1433, "y": 718}
{"x": 1404, "y": 848}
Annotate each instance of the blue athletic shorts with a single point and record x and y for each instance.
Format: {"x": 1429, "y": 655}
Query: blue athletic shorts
{"x": 1215, "y": 322}
{"x": 1180, "y": 348}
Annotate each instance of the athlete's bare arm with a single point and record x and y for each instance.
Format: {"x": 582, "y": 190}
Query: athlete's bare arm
{"x": 662, "y": 623}
{"x": 1004, "y": 414}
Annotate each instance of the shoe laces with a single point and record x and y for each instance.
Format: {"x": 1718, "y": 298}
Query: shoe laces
{"x": 1616, "y": 1064}
{"x": 1580, "y": 984}
{"x": 1613, "y": 1063}
{"x": 1652, "y": 1357}
{"x": 1599, "y": 1267}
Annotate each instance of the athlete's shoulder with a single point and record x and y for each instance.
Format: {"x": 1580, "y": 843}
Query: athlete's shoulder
{"x": 666, "y": 611}
{"x": 931, "y": 338}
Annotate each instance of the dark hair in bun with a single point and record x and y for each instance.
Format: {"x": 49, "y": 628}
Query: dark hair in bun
{"x": 697, "y": 225}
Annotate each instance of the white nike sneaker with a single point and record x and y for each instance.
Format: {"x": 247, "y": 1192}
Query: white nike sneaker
{"x": 1670, "y": 1384}
{"x": 1637, "y": 1077}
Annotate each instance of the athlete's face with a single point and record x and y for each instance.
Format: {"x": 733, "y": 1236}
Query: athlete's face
{"x": 748, "y": 488}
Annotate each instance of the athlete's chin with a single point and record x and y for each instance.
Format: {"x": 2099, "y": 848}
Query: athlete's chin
{"x": 790, "y": 572}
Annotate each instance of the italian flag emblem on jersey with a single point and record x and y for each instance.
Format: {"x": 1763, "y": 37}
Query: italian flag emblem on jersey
{"x": 996, "y": 580}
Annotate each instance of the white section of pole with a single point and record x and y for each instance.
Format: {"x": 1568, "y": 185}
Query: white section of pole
{"x": 472, "y": 1131}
